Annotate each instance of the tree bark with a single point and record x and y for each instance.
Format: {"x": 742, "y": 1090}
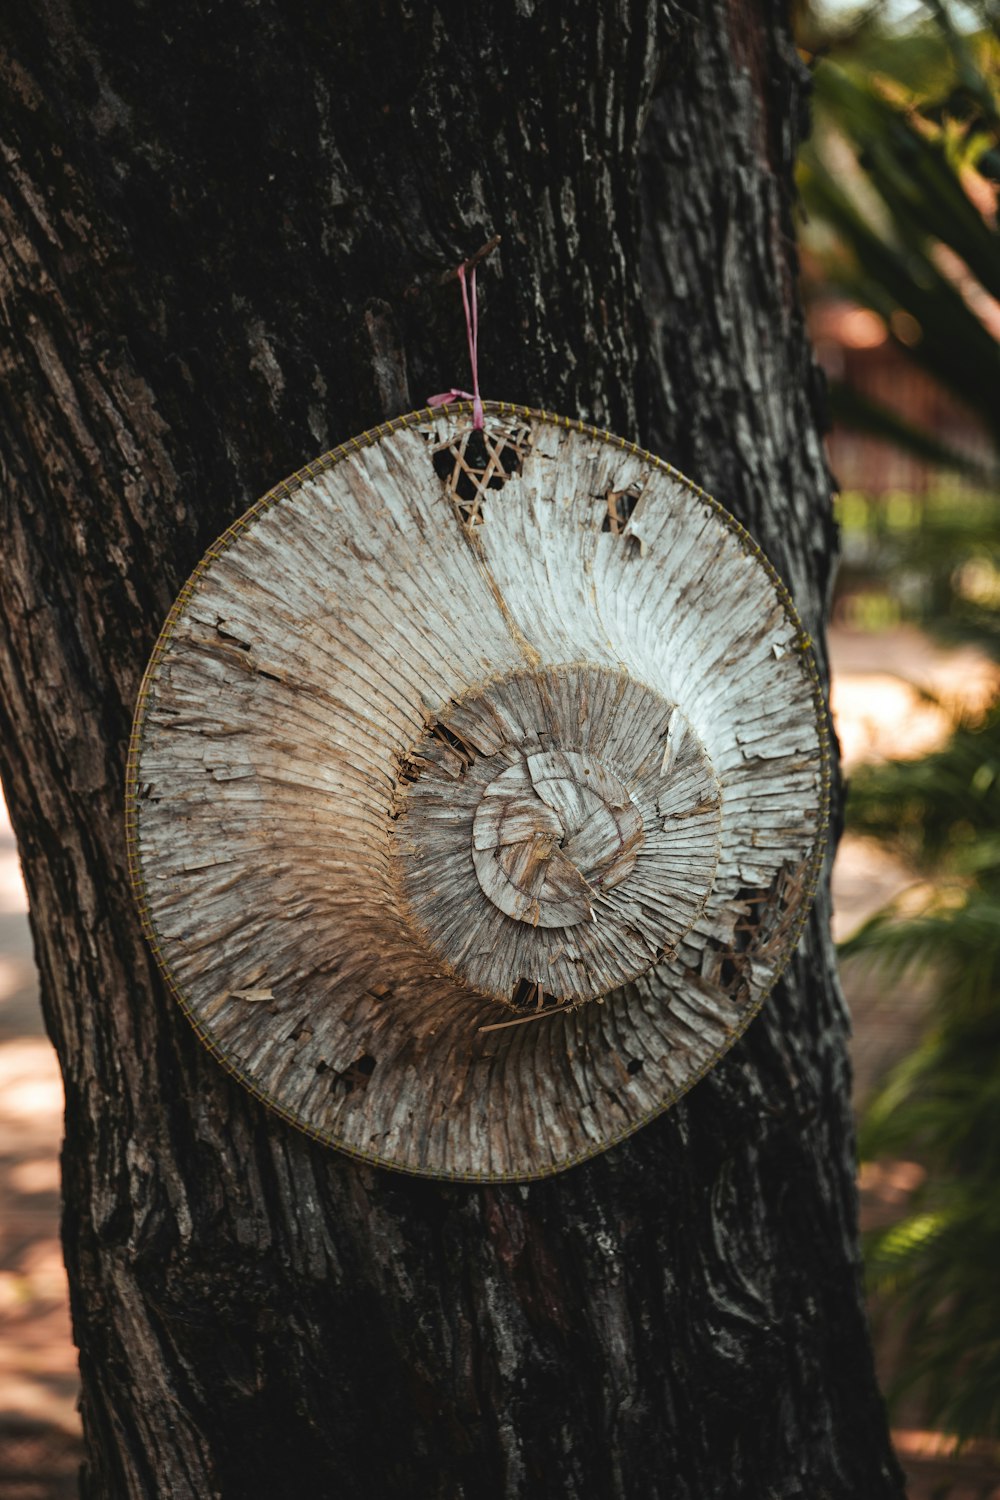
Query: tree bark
{"x": 223, "y": 233}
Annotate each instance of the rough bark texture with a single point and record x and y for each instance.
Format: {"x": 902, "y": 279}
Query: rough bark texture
{"x": 223, "y": 229}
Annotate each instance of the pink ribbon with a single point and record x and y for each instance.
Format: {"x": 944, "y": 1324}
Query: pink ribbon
{"x": 472, "y": 334}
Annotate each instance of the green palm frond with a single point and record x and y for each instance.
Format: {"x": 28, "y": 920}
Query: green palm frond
{"x": 939, "y": 1105}
{"x": 941, "y": 811}
{"x": 901, "y": 123}
{"x": 887, "y": 273}
{"x": 937, "y": 1272}
{"x": 934, "y": 1273}
{"x": 916, "y": 173}
{"x": 897, "y": 1252}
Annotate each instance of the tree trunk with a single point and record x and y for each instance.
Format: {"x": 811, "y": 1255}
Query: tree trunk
{"x": 224, "y": 229}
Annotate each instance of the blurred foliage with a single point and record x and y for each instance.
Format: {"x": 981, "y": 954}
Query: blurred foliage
{"x": 933, "y": 560}
{"x": 936, "y": 1271}
{"x": 899, "y": 185}
{"x": 905, "y": 151}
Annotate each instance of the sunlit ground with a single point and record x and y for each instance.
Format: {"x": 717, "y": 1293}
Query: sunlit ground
{"x": 880, "y": 711}
{"x": 39, "y": 1426}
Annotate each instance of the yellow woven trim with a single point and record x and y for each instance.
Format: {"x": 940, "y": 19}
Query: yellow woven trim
{"x": 286, "y": 490}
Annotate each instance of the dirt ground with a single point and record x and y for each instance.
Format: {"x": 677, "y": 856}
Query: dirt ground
{"x": 39, "y": 1426}
{"x": 880, "y": 709}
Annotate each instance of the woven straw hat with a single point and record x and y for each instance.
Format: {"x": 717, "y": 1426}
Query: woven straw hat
{"x": 477, "y": 791}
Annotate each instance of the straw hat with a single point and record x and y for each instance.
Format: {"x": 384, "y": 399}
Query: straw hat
{"x": 477, "y": 791}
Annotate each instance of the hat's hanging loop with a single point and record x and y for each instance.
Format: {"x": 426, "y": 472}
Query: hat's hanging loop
{"x": 470, "y": 303}
{"x": 472, "y": 334}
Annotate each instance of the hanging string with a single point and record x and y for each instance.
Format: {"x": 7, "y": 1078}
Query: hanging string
{"x": 472, "y": 334}
{"x": 471, "y": 304}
